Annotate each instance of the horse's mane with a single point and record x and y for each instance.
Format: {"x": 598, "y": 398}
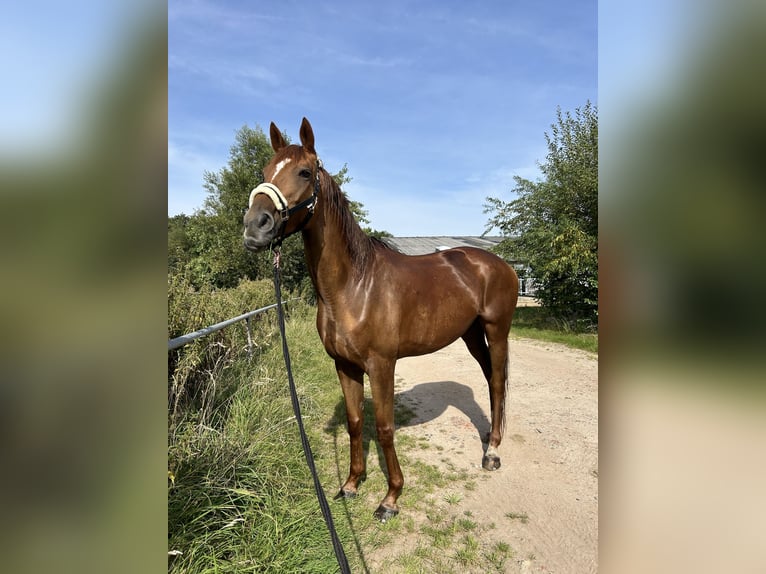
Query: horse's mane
{"x": 360, "y": 245}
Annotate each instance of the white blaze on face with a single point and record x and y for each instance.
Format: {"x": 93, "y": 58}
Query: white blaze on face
{"x": 280, "y": 165}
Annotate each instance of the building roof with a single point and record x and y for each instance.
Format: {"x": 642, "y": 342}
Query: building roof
{"x": 423, "y": 245}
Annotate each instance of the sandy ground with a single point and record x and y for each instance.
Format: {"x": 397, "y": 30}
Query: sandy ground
{"x": 549, "y": 453}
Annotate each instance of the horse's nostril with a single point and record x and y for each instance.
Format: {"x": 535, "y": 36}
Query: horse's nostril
{"x": 264, "y": 222}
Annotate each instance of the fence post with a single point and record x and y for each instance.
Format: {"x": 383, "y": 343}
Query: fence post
{"x": 249, "y": 338}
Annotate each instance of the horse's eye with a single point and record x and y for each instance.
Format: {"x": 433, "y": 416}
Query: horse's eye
{"x": 305, "y": 174}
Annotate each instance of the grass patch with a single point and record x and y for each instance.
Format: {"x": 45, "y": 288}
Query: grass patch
{"x": 450, "y": 544}
{"x": 536, "y": 323}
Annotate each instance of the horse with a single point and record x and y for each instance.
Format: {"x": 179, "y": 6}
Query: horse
{"x": 376, "y": 305}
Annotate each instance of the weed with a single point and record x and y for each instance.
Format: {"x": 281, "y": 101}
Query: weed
{"x": 520, "y": 516}
{"x": 498, "y": 555}
{"x": 408, "y": 564}
{"x": 409, "y": 524}
{"x": 469, "y": 551}
{"x": 440, "y": 537}
{"x": 453, "y": 498}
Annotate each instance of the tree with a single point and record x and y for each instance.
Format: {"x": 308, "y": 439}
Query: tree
{"x": 178, "y": 242}
{"x": 207, "y": 246}
{"x": 553, "y": 224}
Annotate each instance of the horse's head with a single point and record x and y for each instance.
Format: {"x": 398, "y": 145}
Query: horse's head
{"x": 285, "y": 201}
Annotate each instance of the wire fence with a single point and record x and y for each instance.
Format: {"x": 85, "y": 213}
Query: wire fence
{"x": 189, "y": 337}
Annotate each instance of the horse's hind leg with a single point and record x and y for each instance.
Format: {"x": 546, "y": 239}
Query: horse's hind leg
{"x": 477, "y": 346}
{"x": 497, "y": 339}
{"x": 493, "y": 365}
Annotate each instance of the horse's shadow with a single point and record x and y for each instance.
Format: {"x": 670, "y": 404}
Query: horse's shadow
{"x": 428, "y": 401}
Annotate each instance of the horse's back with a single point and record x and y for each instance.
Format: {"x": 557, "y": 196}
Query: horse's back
{"x": 436, "y": 297}
{"x": 470, "y": 268}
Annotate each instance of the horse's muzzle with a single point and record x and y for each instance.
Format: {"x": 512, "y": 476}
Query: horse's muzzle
{"x": 260, "y": 229}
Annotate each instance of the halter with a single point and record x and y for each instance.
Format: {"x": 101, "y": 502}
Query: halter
{"x": 280, "y": 202}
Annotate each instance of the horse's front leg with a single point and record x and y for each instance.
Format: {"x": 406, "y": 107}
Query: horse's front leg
{"x": 382, "y": 384}
{"x": 352, "y": 382}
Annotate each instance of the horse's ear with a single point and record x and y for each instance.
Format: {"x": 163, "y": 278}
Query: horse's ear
{"x": 307, "y": 136}
{"x": 277, "y": 141}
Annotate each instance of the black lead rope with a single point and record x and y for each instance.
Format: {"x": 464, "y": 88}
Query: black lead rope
{"x": 337, "y": 546}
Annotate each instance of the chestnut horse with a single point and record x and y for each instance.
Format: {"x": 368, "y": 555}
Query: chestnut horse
{"x": 375, "y": 305}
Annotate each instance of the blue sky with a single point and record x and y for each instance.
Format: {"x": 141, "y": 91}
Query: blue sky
{"x": 433, "y": 105}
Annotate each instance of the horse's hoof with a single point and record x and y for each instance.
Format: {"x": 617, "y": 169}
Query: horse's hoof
{"x": 384, "y": 514}
{"x": 490, "y": 462}
{"x": 345, "y": 495}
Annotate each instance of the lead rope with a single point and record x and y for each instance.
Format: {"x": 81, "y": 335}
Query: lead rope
{"x": 337, "y": 546}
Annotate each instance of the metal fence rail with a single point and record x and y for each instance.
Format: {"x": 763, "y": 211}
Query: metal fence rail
{"x": 189, "y": 337}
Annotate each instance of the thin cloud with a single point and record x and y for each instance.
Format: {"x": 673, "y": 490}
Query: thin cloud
{"x": 217, "y": 15}
{"x": 372, "y": 62}
{"x": 431, "y": 112}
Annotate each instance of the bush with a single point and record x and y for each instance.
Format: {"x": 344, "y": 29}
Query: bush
{"x": 192, "y": 369}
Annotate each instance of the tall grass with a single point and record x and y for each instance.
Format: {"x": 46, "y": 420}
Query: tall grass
{"x": 193, "y": 369}
{"x": 240, "y": 497}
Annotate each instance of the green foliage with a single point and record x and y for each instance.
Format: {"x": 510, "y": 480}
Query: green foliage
{"x": 206, "y": 248}
{"x": 203, "y": 249}
{"x": 240, "y": 496}
{"x": 538, "y": 323}
{"x": 552, "y": 225}
{"x": 191, "y": 367}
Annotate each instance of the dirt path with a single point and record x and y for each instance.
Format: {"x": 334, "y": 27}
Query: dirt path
{"x": 544, "y": 498}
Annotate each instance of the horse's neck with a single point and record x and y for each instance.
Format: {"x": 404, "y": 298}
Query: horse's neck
{"x": 328, "y": 254}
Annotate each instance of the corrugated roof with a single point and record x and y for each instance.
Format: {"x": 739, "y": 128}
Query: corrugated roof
{"x": 424, "y": 245}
